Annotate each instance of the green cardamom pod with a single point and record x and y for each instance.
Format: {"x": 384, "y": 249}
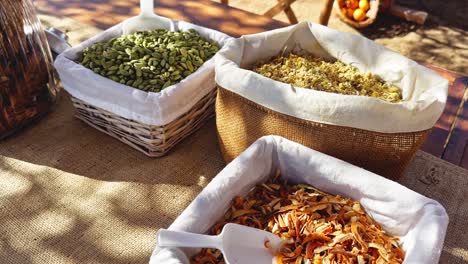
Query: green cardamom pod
{"x": 149, "y": 60}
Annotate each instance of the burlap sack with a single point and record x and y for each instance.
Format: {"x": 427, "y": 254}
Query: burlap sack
{"x": 368, "y": 132}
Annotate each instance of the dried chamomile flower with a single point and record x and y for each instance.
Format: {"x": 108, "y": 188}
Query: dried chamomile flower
{"x": 335, "y": 77}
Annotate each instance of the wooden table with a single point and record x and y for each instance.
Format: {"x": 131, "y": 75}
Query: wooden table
{"x": 448, "y": 139}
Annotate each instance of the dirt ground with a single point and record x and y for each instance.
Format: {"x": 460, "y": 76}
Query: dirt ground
{"x": 442, "y": 40}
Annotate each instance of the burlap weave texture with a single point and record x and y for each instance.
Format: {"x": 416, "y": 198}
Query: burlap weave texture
{"x": 71, "y": 194}
{"x": 240, "y": 122}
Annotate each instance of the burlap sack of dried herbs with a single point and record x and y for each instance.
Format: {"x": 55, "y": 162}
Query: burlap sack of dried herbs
{"x": 360, "y": 122}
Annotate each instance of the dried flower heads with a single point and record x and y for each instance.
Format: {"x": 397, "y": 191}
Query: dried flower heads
{"x": 335, "y": 77}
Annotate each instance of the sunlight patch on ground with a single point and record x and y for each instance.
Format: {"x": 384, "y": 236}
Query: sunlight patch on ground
{"x": 64, "y": 214}
{"x": 459, "y": 252}
{"x": 203, "y": 181}
{"x": 52, "y": 223}
{"x": 124, "y": 240}
{"x": 14, "y": 185}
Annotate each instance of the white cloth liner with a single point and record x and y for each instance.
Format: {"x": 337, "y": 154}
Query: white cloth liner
{"x": 424, "y": 92}
{"x": 145, "y": 107}
{"x": 420, "y": 222}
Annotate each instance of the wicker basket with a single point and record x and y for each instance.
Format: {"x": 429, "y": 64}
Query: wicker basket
{"x": 240, "y": 122}
{"x": 154, "y": 141}
{"x": 150, "y": 122}
{"x": 371, "y": 15}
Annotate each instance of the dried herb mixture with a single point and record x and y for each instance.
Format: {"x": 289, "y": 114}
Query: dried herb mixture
{"x": 336, "y": 77}
{"x": 316, "y": 227}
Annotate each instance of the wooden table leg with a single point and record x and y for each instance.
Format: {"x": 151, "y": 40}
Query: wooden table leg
{"x": 326, "y": 12}
{"x": 290, "y": 13}
{"x": 283, "y": 5}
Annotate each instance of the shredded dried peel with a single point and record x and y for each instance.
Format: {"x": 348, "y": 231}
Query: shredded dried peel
{"x": 316, "y": 228}
{"x": 336, "y": 77}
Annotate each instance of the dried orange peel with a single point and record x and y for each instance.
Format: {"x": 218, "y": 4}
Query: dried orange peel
{"x": 316, "y": 227}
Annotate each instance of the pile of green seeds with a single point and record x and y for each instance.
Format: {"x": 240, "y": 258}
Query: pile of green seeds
{"x": 149, "y": 60}
{"x": 336, "y": 77}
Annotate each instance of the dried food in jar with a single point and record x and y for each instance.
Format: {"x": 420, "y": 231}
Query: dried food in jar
{"x": 28, "y": 87}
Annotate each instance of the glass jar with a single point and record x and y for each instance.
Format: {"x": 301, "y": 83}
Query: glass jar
{"x": 28, "y": 87}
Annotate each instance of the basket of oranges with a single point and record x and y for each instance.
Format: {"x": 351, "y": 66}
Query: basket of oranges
{"x": 357, "y": 13}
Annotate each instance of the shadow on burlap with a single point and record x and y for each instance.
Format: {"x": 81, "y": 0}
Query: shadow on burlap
{"x": 69, "y": 193}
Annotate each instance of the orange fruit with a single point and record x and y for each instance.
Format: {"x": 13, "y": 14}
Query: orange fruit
{"x": 364, "y": 5}
{"x": 359, "y": 14}
{"x": 349, "y": 13}
{"x": 341, "y": 3}
{"x": 352, "y": 4}
{"x": 344, "y": 11}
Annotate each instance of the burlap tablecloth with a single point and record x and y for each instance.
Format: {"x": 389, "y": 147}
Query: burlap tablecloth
{"x": 71, "y": 194}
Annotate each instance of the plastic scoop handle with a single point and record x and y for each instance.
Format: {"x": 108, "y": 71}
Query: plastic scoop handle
{"x": 168, "y": 238}
{"x": 146, "y": 7}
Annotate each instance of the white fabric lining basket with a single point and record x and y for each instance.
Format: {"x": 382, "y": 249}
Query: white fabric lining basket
{"x": 418, "y": 221}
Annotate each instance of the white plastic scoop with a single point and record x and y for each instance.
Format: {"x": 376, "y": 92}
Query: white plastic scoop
{"x": 239, "y": 244}
{"x": 146, "y": 20}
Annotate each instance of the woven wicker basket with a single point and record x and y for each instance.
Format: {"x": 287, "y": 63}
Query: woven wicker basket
{"x": 240, "y": 122}
{"x": 371, "y": 15}
{"x": 154, "y": 141}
